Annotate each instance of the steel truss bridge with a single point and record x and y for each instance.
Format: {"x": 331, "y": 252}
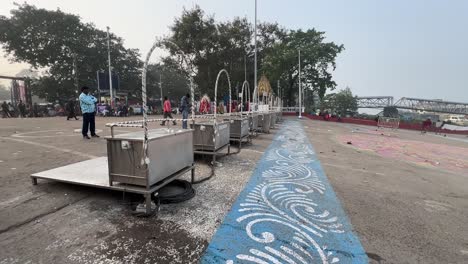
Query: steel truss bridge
{"x": 437, "y": 106}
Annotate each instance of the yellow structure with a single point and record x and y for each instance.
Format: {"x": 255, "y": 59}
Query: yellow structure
{"x": 264, "y": 86}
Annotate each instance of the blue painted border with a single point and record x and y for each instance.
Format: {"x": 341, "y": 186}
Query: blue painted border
{"x": 231, "y": 243}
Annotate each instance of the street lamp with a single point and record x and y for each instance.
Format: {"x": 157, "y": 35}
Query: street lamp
{"x": 255, "y": 67}
{"x": 111, "y": 90}
{"x": 300, "y": 90}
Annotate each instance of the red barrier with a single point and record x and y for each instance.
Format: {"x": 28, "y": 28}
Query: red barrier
{"x": 366, "y": 122}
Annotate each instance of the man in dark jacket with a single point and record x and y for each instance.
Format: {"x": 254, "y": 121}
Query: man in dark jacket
{"x": 71, "y": 109}
{"x": 22, "y": 109}
{"x": 184, "y": 108}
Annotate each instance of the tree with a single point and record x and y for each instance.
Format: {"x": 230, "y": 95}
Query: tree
{"x": 317, "y": 62}
{"x": 70, "y": 51}
{"x": 174, "y": 81}
{"x": 210, "y": 46}
{"x": 342, "y": 103}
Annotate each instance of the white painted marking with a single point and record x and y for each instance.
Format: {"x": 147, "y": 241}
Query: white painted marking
{"x": 55, "y": 133}
{"x": 85, "y": 155}
{"x": 78, "y": 130}
{"x": 13, "y": 168}
{"x": 279, "y": 254}
{"x": 293, "y": 253}
{"x": 252, "y": 259}
{"x": 264, "y": 255}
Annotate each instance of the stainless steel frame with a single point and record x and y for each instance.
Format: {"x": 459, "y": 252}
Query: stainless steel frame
{"x": 210, "y": 136}
{"x": 239, "y": 127}
{"x": 94, "y": 173}
{"x": 253, "y": 122}
{"x": 273, "y": 119}
{"x": 168, "y": 152}
{"x": 264, "y": 121}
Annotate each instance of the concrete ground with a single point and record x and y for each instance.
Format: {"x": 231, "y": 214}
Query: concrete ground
{"x": 402, "y": 212}
{"x": 62, "y": 223}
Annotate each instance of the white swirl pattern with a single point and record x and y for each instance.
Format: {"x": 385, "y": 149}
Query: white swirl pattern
{"x": 281, "y": 199}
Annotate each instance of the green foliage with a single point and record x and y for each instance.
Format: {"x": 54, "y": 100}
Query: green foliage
{"x": 211, "y": 46}
{"x": 174, "y": 81}
{"x": 342, "y": 103}
{"x": 55, "y": 40}
{"x": 317, "y": 62}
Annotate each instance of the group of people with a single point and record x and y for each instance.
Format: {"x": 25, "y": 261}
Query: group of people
{"x": 9, "y": 110}
{"x": 89, "y": 108}
{"x": 428, "y": 124}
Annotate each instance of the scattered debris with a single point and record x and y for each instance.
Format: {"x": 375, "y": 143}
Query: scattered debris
{"x": 333, "y": 151}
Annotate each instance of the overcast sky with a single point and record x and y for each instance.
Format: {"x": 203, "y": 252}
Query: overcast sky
{"x": 416, "y": 48}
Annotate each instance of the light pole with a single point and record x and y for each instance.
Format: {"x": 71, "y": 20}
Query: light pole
{"x": 300, "y": 90}
{"x": 255, "y": 34}
{"x": 160, "y": 85}
{"x": 111, "y": 90}
{"x": 75, "y": 71}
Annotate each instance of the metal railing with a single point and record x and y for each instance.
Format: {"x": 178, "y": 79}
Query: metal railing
{"x": 293, "y": 109}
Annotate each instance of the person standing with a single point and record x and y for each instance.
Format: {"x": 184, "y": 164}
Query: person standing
{"x": 426, "y": 125}
{"x": 88, "y": 109}
{"x": 204, "y": 105}
{"x": 71, "y": 110}
{"x": 22, "y": 109}
{"x": 35, "y": 110}
{"x": 6, "y": 111}
{"x": 167, "y": 111}
{"x": 11, "y": 110}
{"x": 184, "y": 108}
{"x": 438, "y": 127}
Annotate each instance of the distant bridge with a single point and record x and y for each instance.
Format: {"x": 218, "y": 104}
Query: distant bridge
{"x": 438, "y": 106}
{"x": 375, "y": 101}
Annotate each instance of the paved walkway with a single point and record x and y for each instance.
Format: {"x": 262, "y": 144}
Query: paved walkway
{"x": 288, "y": 212}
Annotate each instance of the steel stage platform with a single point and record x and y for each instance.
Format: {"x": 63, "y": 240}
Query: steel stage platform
{"x": 95, "y": 173}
